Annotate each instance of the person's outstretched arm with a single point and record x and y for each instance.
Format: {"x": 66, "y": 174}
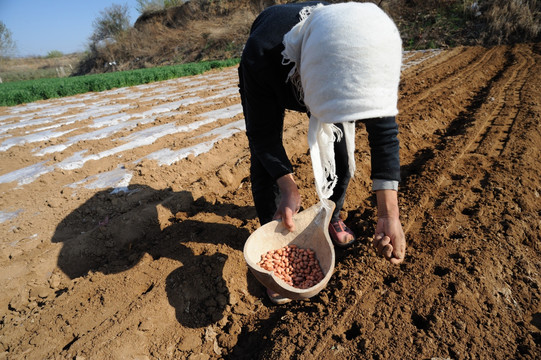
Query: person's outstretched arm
{"x": 389, "y": 239}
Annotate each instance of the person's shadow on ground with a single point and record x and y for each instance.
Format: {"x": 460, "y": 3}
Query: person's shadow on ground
{"x": 110, "y": 233}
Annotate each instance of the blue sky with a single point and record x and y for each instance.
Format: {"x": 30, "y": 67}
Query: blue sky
{"x": 41, "y": 26}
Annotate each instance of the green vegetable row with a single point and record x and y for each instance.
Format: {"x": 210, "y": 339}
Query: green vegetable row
{"x": 20, "y": 92}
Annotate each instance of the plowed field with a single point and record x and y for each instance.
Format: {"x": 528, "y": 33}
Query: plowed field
{"x": 124, "y": 213}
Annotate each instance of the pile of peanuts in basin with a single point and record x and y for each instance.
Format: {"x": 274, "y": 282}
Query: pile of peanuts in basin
{"x": 296, "y": 266}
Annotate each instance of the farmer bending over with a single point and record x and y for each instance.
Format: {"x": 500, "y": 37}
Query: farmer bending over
{"x": 339, "y": 63}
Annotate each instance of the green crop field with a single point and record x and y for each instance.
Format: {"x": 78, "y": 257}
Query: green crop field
{"x": 14, "y": 93}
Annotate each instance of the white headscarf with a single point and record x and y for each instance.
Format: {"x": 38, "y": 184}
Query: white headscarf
{"x": 348, "y": 59}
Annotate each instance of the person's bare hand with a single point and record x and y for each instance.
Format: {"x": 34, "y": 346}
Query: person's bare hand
{"x": 290, "y": 201}
{"x": 389, "y": 240}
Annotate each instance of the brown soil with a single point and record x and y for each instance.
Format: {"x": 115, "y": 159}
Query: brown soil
{"x": 158, "y": 273}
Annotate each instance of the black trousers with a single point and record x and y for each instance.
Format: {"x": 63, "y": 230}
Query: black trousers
{"x": 267, "y": 195}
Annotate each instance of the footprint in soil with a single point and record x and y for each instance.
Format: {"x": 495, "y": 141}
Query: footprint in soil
{"x": 110, "y": 233}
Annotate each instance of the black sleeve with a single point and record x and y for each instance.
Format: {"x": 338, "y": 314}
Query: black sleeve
{"x": 264, "y": 118}
{"x": 263, "y": 88}
{"x": 384, "y": 148}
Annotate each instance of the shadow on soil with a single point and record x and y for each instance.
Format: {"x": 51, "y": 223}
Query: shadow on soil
{"x": 110, "y": 233}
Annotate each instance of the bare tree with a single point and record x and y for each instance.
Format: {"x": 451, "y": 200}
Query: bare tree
{"x": 7, "y": 45}
{"x": 112, "y": 21}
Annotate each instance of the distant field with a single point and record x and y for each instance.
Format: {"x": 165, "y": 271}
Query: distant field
{"x": 38, "y": 67}
{"x": 14, "y": 93}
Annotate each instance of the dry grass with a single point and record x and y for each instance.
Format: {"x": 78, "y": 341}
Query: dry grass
{"x": 427, "y": 23}
{"x": 510, "y": 21}
{"x": 28, "y": 68}
{"x": 134, "y": 49}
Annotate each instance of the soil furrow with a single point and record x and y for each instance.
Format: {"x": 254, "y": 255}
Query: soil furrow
{"x": 493, "y": 141}
{"x": 443, "y": 75}
{"x": 457, "y": 137}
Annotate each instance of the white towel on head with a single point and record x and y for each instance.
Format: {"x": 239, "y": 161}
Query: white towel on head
{"x": 347, "y": 66}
